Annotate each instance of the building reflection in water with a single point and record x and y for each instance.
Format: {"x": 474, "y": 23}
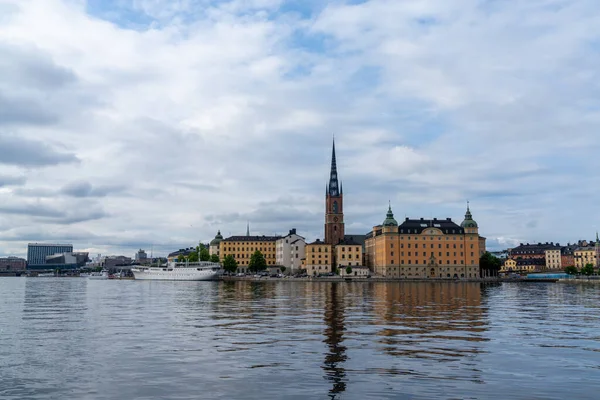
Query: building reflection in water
{"x": 438, "y": 321}
{"x": 334, "y": 337}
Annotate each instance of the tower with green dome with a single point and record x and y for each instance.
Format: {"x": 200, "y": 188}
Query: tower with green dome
{"x": 469, "y": 224}
{"x": 389, "y": 224}
{"x": 215, "y": 244}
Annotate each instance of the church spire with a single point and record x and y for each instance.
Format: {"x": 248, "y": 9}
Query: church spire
{"x": 333, "y": 179}
{"x": 248, "y": 228}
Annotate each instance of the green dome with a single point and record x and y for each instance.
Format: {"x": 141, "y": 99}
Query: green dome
{"x": 389, "y": 218}
{"x": 217, "y": 239}
{"x": 469, "y": 222}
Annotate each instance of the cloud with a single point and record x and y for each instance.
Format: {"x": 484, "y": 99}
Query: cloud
{"x": 11, "y": 180}
{"x": 155, "y": 121}
{"x": 31, "y": 153}
{"x": 86, "y": 189}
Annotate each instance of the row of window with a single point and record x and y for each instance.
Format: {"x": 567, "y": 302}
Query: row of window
{"x": 425, "y": 246}
{"x": 262, "y": 249}
{"x": 431, "y": 254}
{"x": 455, "y": 262}
{"x": 431, "y": 237}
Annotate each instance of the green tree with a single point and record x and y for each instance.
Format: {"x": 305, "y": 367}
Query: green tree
{"x": 282, "y": 268}
{"x": 229, "y": 263}
{"x": 204, "y": 254}
{"x": 348, "y": 270}
{"x": 257, "y": 262}
{"x": 181, "y": 258}
{"x": 571, "y": 270}
{"x": 490, "y": 262}
{"x": 587, "y": 270}
{"x": 193, "y": 256}
{"x": 214, "y": 258}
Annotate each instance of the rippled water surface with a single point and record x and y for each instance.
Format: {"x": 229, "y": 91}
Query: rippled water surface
{"x": 72, "y": 338}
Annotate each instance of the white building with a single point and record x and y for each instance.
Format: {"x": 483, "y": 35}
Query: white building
{"x": 290, "y": 250}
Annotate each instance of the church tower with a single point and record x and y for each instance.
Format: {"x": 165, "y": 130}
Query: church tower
{"x": 334, "y": 206}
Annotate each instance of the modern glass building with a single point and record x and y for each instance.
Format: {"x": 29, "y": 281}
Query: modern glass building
{"x": 37, "y": 252}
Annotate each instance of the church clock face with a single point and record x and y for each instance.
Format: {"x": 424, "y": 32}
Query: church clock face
{"x": 335, "y": 219}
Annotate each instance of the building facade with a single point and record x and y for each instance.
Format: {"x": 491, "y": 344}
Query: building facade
{"x": 553, "y": 258}
{"x": 141, "y": 256}
{"x": 67, "y": 260}
{"x": 584, "y": 256}
{"x": 319, "y": 258}
{"x": 348, "y": 253}
{"x": 242, "y": 248}
{"x": 37, "y": 253}
{"x": 12, "y": 264}
{"x": 526, "y": 251}
{"x": 422, "y": 248}
{"x": 290, "y": 250}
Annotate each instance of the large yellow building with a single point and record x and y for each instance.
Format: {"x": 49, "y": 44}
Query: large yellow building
{"x": 585, "y": 255}
{"x": 318, "y": 258}
{"x": 421, "y": 248}
{"x": 242, "y": 248}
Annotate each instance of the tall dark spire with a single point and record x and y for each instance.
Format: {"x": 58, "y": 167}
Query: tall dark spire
{"x": 248, "y": 228}
{"x": 333, "y": 178}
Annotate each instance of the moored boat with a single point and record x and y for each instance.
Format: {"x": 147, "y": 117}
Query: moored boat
{"x": 179, "y": 271}
{"x": 99, "y": 275}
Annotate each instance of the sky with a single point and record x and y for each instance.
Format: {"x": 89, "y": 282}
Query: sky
{"x": 152, "y": 124}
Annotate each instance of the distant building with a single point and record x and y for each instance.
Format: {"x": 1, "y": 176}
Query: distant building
{"x": 567, "y": 255}
{"x": 67, "y": 260}
{"x": 553, "y": 258}
{"x": 348, "y": 253}
{"x": 526, "y": 251}
{"x": 181, "y": 252}
{"x": 289, "y": 251}
{"x": 121, "y": 262}
{"x": 12, "y": 264}
{"x": 215, "y": 245}
{"x": 141, "y": 256}
{"x": 319, "y": 258}
{"x": 242, "y": 248}
{"x": 425, "y": 248}
{"x": 523, "y": 265}
{"x": 37, "y": 253}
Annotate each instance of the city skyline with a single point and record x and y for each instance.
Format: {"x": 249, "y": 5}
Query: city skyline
{"x": 154, "y": 124}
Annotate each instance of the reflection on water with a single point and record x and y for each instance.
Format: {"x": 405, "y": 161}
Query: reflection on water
{"x": 334, "y": 336}
{"x": 75, "y": 338}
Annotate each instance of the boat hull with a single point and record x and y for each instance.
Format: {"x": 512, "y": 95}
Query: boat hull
{"x": 179, "y": 274}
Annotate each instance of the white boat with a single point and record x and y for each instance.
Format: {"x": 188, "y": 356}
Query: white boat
{"x": 179, "y": 271}
{"x": 99, "y": 275}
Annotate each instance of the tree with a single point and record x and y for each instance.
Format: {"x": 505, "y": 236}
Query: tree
{"x": 490, "y": 262}
{"x": 181, "y": 258}
{"x": 282, "y": 268}
{"x": 257, "y": 262}
{"x": 229, "y": 263}
{"x": 587, "y": 270}
{"x": 214, "y": 258}
{"x": 348, "y": 270}
{"x": 571, "y": 270}
{"x": 204, "y": 254}
{"x": 193, "y": 256}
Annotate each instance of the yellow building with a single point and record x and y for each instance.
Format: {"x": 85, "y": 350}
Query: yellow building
{"x": 242, "y": 248}
{"x": 420, "y": 248}
{"x": 348, "y": 253}
{"x": 584, "y": 256}
{"x": 319, "y": 258}
{"x": 553, "y": 259}
{"x": 510, "y": 265}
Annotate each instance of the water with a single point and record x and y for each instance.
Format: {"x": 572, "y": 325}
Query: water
{"x": 73, "y": 338}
